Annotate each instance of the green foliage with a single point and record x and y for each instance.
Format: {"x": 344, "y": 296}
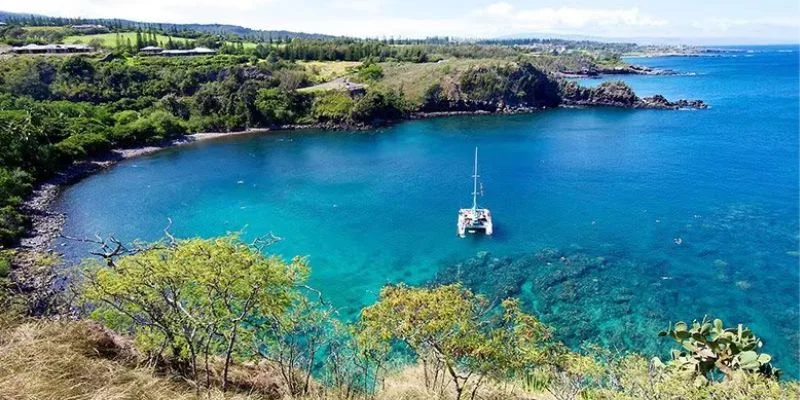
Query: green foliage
{"x": 635, "y": 377}
{"x": 150, "y": 128}
{"x": 369, "y": 71}
{"x": 333, "y": 105}
{"x": 513, "y": 84}
{"x": 281, "y": 107}
{"x": 5, "y": 264}
{"x": 379, "y": 106}
{"x": 192, "y": 298}
{"x": 709, "y": 348}
{"x": 452, "y": 329}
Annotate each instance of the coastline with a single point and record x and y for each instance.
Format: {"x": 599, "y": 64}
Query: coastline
{"x": 47, "y": 224}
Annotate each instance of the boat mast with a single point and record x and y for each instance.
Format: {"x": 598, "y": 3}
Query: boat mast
{"x": 475, "y": 183}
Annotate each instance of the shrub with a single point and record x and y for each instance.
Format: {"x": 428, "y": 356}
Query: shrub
{"x": 150, "y": 128}
{"x": 12, "y": 225}
{"x": 332, "y": 106}
{"x": 379, "y": 106}
{"x": 191, "y": 300}
{"x": 369, "y": 72}
{"x": 709, "y": 349}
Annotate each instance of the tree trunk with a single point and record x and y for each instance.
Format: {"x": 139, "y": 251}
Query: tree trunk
{"x": 228, "y": 355}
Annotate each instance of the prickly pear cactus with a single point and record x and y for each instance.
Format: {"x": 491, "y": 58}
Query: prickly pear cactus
{"x": 709, "y": 348}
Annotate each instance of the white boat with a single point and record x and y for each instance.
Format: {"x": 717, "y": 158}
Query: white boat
{"x": 474, "y": 220}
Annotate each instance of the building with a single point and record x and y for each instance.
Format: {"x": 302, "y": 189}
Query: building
{"x": 93, "y": 28}
{"x": 157, "y": 51}
{"x": 51, "y": 49}
{"x": 150, "y": 51}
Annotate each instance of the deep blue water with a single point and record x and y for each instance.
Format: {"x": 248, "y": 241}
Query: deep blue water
{"x": 609, "y": 223}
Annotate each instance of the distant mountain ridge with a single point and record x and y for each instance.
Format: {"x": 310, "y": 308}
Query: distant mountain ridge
{"x": 222, "y": 29}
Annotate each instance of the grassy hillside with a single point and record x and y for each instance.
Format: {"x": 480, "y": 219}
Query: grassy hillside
{"x": 75, "y": 360}
{"x": 413, "y": 79}
{"x": 79, "y": 360}
{"x": 323, "y": 71}
{"x": 109, "y": 40}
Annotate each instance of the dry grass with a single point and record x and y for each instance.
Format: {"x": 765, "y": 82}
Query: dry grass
{"x": 413, "y": 79}
{"x": 324, "y": 71}
{"x": 76, "y": 361}
{"x": 409, "y": 384}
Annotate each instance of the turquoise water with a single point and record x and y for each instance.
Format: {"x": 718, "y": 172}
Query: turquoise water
{"x": 609, "y": 223}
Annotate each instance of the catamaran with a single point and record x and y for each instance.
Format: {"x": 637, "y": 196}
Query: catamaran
{"x": 474, "y": 219}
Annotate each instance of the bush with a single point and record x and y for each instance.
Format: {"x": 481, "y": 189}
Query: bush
{"x": 282, "y": 107}
{"x": 369, "y": 72}
{"x": 376, "y": 106}
{"x": 151, "y": 128}
{"x": 332, "y": 106}
{"x": 5, "y": 265}
{"x": 77, "y": 147}
{"x": 12, "y": 225}
{"x": 193, "y": 300}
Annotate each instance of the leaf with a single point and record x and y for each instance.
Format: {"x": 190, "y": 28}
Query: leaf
{"x": 747, "y": 357}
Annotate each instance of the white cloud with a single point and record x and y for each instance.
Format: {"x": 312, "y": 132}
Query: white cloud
{"x": 420, "y": 18}
{"x": 367, "y": 6}
{"x": 499, "y": 9}
{"x": 148, "y": 10}
{"x": 553, "y": 19}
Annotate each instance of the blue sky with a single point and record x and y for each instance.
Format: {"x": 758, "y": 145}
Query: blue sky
{"x": 709, "y": 21}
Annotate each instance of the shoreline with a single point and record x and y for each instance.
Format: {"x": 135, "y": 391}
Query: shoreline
{"x": 47, "y": 223}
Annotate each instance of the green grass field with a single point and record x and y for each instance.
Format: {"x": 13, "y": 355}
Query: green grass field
{"x": 109, "y": 40}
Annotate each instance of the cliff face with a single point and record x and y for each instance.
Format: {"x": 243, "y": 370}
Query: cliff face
{"x": 619, "y": 94}
{"x": 494, "y": 88}
{"x": 517, "y": 87}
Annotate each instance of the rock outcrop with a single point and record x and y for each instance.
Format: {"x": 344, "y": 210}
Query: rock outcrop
{"x": 619, "y": 94}
{"x": 597, "y": 71}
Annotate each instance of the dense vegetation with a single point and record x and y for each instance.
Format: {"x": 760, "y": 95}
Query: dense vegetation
{"x": 222, "y": 317}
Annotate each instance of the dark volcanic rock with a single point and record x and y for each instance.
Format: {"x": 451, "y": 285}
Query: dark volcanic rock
{"x": 660, "y": 102}
{"x": 619, "y": 94}
{"x": 593, "y": 71}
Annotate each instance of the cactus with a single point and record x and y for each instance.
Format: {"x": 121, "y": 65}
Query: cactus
{"x": 709, "y": 347}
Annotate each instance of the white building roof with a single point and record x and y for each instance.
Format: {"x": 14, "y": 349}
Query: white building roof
{"x": 47, "y": 47}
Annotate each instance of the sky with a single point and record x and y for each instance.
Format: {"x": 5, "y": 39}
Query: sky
{"x": 691, "y": 21}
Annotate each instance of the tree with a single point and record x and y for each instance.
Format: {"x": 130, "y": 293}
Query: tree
{"x": 456, "y": 334}
{"x": 293, "y": 341}
{"x": 333, "y": 105}
{"x": 187, "y": 300}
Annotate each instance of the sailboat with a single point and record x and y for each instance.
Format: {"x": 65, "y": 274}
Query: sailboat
{"x": 474, "y": 219}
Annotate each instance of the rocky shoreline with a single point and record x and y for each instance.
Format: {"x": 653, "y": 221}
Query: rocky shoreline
{"x": 657, "y": 102}
{"x": 597, "y": 72}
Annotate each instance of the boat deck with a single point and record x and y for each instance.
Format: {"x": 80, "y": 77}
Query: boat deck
{"x": 473, "y": 220}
